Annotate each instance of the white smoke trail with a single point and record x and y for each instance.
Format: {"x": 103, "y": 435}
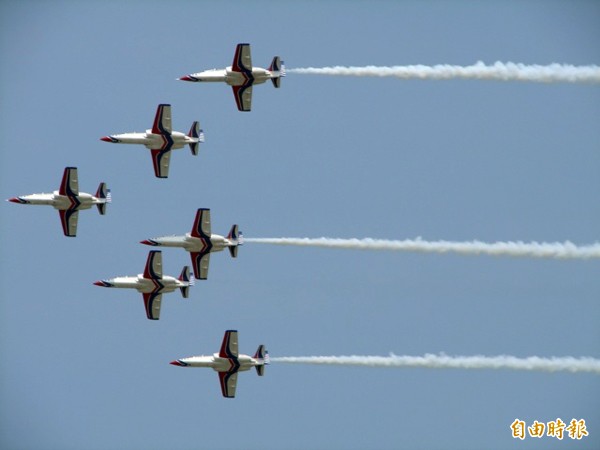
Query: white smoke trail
{"x": 553, "y": 73}
{"x": 554, "y": 250}
{"x": 442, "y": 361}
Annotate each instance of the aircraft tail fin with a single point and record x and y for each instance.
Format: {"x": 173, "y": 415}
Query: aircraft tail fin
{"x": 103, "y": 193}
{"x": 277, "y": 68}
{"x": 185, "y": 277}
{"x": 196, "y": 132}
{"x": 262, "y": 355}
{"x": 235, "y": 236}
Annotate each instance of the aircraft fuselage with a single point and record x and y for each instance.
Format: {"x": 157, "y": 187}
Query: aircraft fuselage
{"x": 153, "y": 141}
{"x": 144, "y": 285}
{"x": 218, "y": 364}
{"x": 256, "y": 76}
{"x": 191, "y": 243}
{"x": 60, "y": 202}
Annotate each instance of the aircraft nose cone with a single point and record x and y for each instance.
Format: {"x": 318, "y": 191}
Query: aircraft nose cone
{"x": 14, "y": 200}
{"x": 176, "y": 363}
{"x": 185, "y": 78}
{"x": 99, "y": 283}
{"x": 106, "y": 139}
{"x": 147, "y": 242}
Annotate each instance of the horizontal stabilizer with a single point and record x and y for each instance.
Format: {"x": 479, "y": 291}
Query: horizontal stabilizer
{"x": 233, "y": 238}
{"x": 233, "y": 233}
{"x": 185, "y": 274}
{"x": 103, "y": 193}
{"x": 262, "y": 357}
{"x": 198, "y": 133}
{"x": 277, "y": 66}
{"x": 185, "y": 277}
{"x": 261, "y": 352}
{"x": 277, "y": 70}
{"x": 185, "y": 291}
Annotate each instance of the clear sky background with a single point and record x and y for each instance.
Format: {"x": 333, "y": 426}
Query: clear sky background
{"x": 342, "y": 157}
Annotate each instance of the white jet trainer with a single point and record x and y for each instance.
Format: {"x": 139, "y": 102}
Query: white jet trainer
{"x": 241, "y": 76}
{"x": 200, "y": 242}
{"x": 152, "y": 284}
{"x": 68, "y": 200}
{"x": 228, "y": 362}
{"x": 161, "y": 139}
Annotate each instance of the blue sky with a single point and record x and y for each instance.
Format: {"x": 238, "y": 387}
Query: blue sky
{"x": 322, "y": 156}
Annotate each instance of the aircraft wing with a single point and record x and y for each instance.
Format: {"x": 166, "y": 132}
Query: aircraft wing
{"x": 70, "y": 184}
{"x": 201, "y": 228}
{"x": 229, "y": 347}
{"x": 228, "y": 383}
{"x": 68, "y": 218}
{"x": 161, "y": 160}
{"x": 152, "y": 303}
{"x": 153, "y": 268}
{"x": 243, "y": 96}
{"x": 200, "y": 263}
{"x": 162, "y": 120}
{"x": 242, "y": 60}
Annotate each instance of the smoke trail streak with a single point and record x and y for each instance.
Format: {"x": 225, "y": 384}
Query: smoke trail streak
{"x": 554, "y": 250}
{"x": 442, "y": 361}
{"x": 553, "y": 73}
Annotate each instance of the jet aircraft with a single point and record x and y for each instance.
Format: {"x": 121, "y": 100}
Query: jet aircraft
{"x": 200, "y": 242}
{"x": 228, "y": 362}
{"x": 241, "y": 76}
{"x": 161, "y": 139}
{"x": 152, "y": 284}
{"x": 68, "y": 200}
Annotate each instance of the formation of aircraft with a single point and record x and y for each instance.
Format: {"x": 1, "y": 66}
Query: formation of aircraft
{"x": 201, "y": 242}
{"x": 241, "y": 76}
{"x": 228, "y": 362}
{"x": 68, "y": 200}
{"x": 152, "y": 284}
{"x": 161, "y": 139}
